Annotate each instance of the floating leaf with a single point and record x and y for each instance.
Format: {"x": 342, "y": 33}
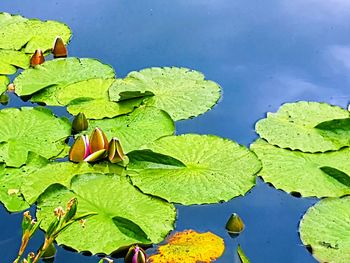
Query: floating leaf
{"x": 53, "y": 75}
{"x": 181, "y": 92}
{"x": 304, "y": 173}
{"x": 28, "y": 35}
{"x": 11, "y": 180}
{"x": 20, "y": 37}
{"x": 190, "y": 247}
{"x": 4, "y": 81}
{"x": 143, "y": 125}
{"x": 10, "y": 60}
{"x": 215, "y": 170}
{"x": 31, "y": 129}
{"x": 60, "y": 172}
{"x": 91, "y": 97}
{"x": 242, "y": 256}
{"x": 111, "y": 196}
{"x": 325, "y": 228}
{"x": 294, "y": 126}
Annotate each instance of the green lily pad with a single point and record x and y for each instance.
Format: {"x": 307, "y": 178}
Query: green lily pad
{"x": 27, "y": 35}
{"x": 61, "y": 173}
{"x": 10, "y": 60}
{"x": 304, "y": 173}
{"x": 4, "y": 81}
{"x": 120, "y": 208}
{"x": 216, "y": 170}
{"x": 31, "y": 129}
{"x": 142, "y": 126}
{"x": 293, "y": 126}
{"x": 55, "y": 74}
{"x": 91, "y": 98}
{"x": 11, "y": 180}
{"x": 181, "y": 92}
{"x": 325, "y": 228}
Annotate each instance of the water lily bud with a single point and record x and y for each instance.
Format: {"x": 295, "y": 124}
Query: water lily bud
{"x": 11, "y": 87}
{"x": 80, "y": 123}
{"x": 59, "y": 49}
{"x": 4, "y": 99}
{"x": 80, "y": 149}
{"x": 37, "y": 58}
{"x": 135, "y": 255}
{"x": 115, "y": 151}
{"x": 98, "y": 141}
{"x": 96, "y": 156}
{"x": 234, "y": 225}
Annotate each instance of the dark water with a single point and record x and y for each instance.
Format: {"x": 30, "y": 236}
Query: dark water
{"x": 262, "y": 54}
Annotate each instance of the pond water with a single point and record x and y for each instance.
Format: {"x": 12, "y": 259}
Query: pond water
{"x": 261, "y": 54}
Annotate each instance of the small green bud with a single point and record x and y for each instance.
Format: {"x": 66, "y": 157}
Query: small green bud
{"x": 4, "y": 99}
{"x": 71, "y": 209}
{"x": 234, "y": 225}
{"x": 80, "y": 123}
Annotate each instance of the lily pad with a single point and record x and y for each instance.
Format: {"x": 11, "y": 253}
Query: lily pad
{"x": 91, "y": 98}
{"x": 304, "y": 173}
{"x": 293, "y": 126}
{"x": 31, "y": 129}
{"x": 27, "y": 35}
{"x": 11, "y": 180}
{"x": 56, "y": 74}
{"x": 36, "y": 182}
{"x": 4, "y": 81}
{"x": 142, "y": 126}
{"x": 119, "y": 207}
{"x": 215, "y": 170}
{"x": 191, "y": 247}
{"x": 325, "y": 228}
{"x": 181, "y": 92}
{"x": 10, "y": 60}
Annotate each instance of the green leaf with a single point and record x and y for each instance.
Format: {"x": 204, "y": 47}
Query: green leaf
{"x": 111, "y": 196}
{"x": 53, "y": 75}
{"x": 11, "y": 180}
{"x": 60, "y": 173}
{"x": 129, "y": 228}
{"x": 10, "y": 183}
{"x": 295, "y": 171}
{"x": 4, "y": 81}
{"x": 91, "y": 97}
{"x": 340, "y": 176}
{"x": 142, "y": 126}
{"x": 325, "y": 228}
{"x": 181, "y": 92}
{"x": 216, "y": 170}
{"x": 10, "y": 60}
{"x": 295, "y": 126}
{"x": 31, "y": 129}
{"x": 27, "y": 35}
{"x": 242, "y": 256}
{"x": 149, "y": 159}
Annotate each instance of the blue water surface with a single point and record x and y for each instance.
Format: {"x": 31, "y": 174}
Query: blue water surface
{"x": 262, "y": 53}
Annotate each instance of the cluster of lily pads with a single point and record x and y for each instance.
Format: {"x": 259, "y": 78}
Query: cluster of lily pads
{"x": 304, "y": 150}
{"x": 132, "y": 203}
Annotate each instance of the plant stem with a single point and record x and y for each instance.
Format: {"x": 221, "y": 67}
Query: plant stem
{"x": 25, "y": 240}
{"x": 47, "y": 243}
